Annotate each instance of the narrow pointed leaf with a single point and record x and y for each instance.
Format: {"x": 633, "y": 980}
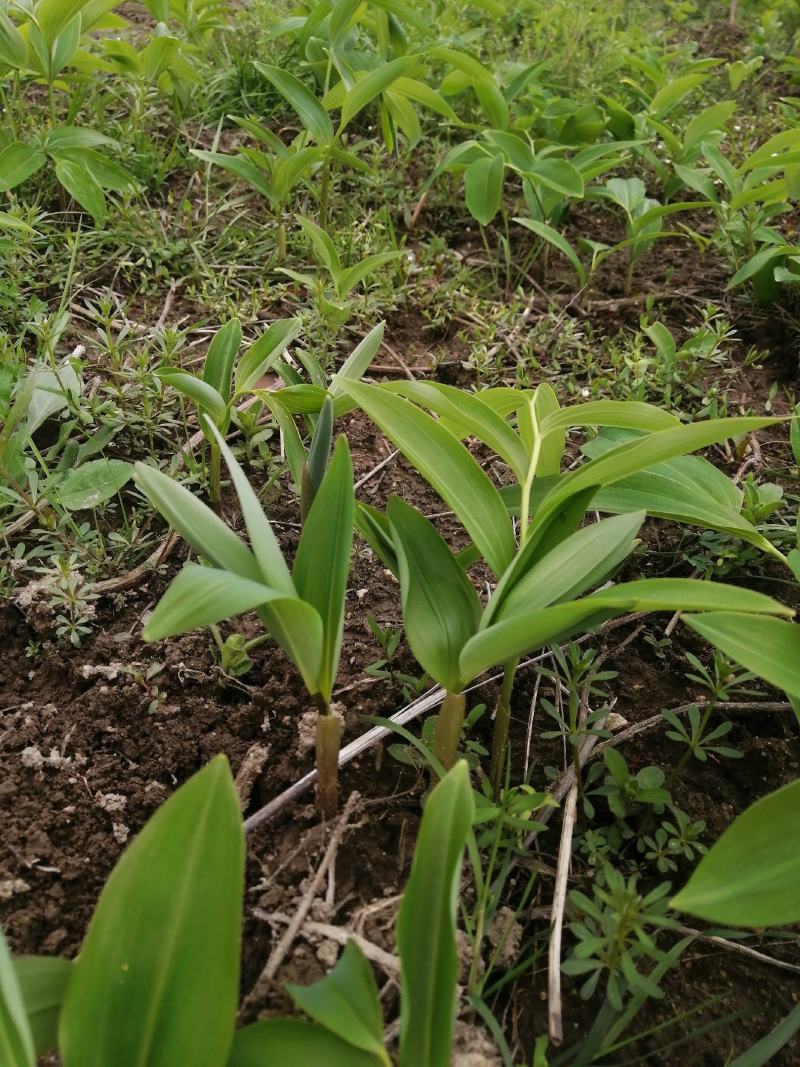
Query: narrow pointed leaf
{"x": 371, "y": 85}
{"x": 768, "y": 647}
{"x": 204, "y": 395}
{"x": 162, "y": 949}
{"x": 357, "y": 363}
{"x": 310, "y": 111}
{"x": 483, "y": 187}
{"x": 43, "y": 983}
{"x": 285, "y": 1041}
{"x": 445, "y": 464}
{"x": 262, "y": 354}
{"x": 427, "y": 921}
{"x": 16, "y": 1040}
{"x": 221, "y": 356}
{"x": 553, "y": 237}
{"x": 688, "y": 594}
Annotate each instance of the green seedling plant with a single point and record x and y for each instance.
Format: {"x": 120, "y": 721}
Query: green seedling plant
{"x": 226, "y": 378}
{"x": 157, "y": 978}
{"x": 542, "y": 574}
{"x": 303, "y": 609}
{"x": 332, "y": 293}
{"x": 47, "y": 41}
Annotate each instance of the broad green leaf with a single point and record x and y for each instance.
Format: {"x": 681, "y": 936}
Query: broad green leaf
{"x": 467, "y": 415}
{"x": 107, "y": 174}
{"x": 673, "y": 92}
{"x": 553, "y": 237}
{"x": 13, "y": 48}
{"x": 357, "y": 363}
{"x": 261, "y": 355}
{"x": 552, "y": 441}
{"x": 16, "y": 1040}
{"x": 643, "y": 452}
{"x": 202, "y": 596}
{"x": 322, "y": 563}
{"x": 441, "y": 610}
{"x": 748, "y": 269}
{"x": 83, "y": 187}
{"x": 445, "y": 464}
{"x": 625, "y": 414}
{"x": 242, "y": 168}
{"x": 263, "y": 541}
{"x": 768, "y": 154}
{"x": 220, "y": 358}
{"x": 578, "y": 563}
{"x": 93, "y": 483}
{"x": 557, "y": 174}
{"x": 18, "y": 162}
{"x": 197, "y": 524}
{"x": 688, "y": 594}
{"x": 310, "y": 111}
{"x": 528, "y": 631}
{"x": 750, "y": 876}
{"x": 292, "y": 445}
{"x": 346, "y": 1002}
{"x": 53, "y": 15}
{"x": 275, "y": 1042}
{"x": 629, "y": 193}
{"x": 710, "y": 118}
{"x": 353, "y": 276}
{"x": 426, "y": 924}
{"x": 768, "y": 647}
{"x": 162, "y": 949}
{"x": 157, "y": 55}
{"x": 371, "y": 85}
{"x": 324, "y": 248}
{"x": 43, "y": 982}
{"x": 423, "y": 94}
{"x": 52, "y": 392}
{"x": 204, "y": 395}
{"x": 483, "y": 187}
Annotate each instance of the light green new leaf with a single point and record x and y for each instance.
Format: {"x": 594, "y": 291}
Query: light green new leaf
{"x": 357, "y": 363}
{"x": 427, "y": 921}
{"x": 16, "y": 1040}
{"x": 18, "y": 161}
{"x": 750, "y": 876}
{"x": 13, "y": 49}
{"x": 285, "y": 1041}
{"x": 353, "y": 276}
{"x": 322, "y": 563}
{"x": 346, "y": 1001}
{"x": 578, "y": 563}
{"x": 43, "y": 983}
{"x": 688, "y": 594}
{"x": 768, "y": 647}
{"x": 310, "y": 111}
{"x": 162, "y": 950}
{"x": 553, "y": 237}
{"x": 445, "y": 464}
{"x": 371, "y": 85}
{"x": 559, "y": 175}
{"x": 242, "y": 168}
{"x": 643, "y": 452}
{"x": 53, "y": 15}
{"x": 221, "y": 356}
{"x": 625, "y": 414}
{"x": 483, "y": 187}
{"x": 197, "y": 524}
{"x": 441, "y": 610}
{"x": 202, "y": 596}
{"x": 747, "y": 270}
{"x": 263, "y": 541}
{"x": 324, "y": 248}
{"x": 204, "y": 395}
{"x": 292, "y": 444}
{"x": 93, "y": 483}
{"x": 263, "y": 353}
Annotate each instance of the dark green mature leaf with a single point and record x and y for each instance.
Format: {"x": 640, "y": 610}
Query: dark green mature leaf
{"x": 82, "y": 186}
{"x": 16, "y": 1041}
{"x": 750, "y": 876}
{"x": 441, "y": 610}
{"x": 483, "y": 187}
{"x": 162, "y": 950}
{"x": 53, "y": 15}
{"x": 221, "y": 356}
{"x": 93, "y": 483}
{"x": 13, "y": 49}
{"x": 18, "y": 161}
{"x": 43, "y": 983}
{"x": 687, "y": 594}
{"x": 445, "y": 464}
{"x": 278, "y": 1042}
{"x": 310, "y": 111}
{"x": 426, "y": 924}
{"x": 204, "y": 395}
{"x": 263, "y": 353}
{"x": 357, "y": 363}
{"x": 371, "y": 85}
{"x": 346, "y": 1002}
{"x": 322, "y": 563}
{"x": 763, "y": 1051}
{"x": 768, "y": 647}
{"x": 197, "y": 524}
{"x": 241, "y": 168}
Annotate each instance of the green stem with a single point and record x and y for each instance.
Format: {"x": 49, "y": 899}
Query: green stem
{"x": 324, "y": 193}
{"x": 448, "y": 729}
{"x": 328, "y": 739}
{"x": 216, "y": 477}
{"x": 502, "y": 718}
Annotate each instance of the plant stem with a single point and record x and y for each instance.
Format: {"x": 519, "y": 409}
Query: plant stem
{"x": 216, "y": 482}
{"x": 329, "y": 734}
{"x": 689, "y": 751}
{"x": 502, "y": 717}
{"x": 448, "y": 729}
{"x": 281, "y": 241}
{"x": 324, "y": 193}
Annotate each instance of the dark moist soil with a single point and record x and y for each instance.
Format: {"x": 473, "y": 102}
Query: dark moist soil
{"x": 90, "y": 746}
